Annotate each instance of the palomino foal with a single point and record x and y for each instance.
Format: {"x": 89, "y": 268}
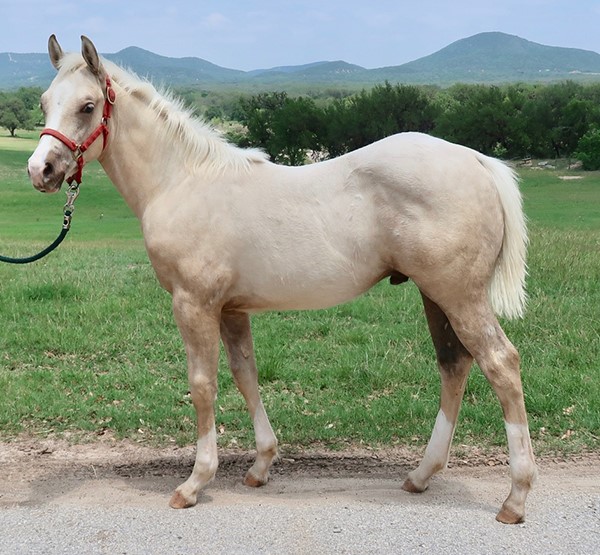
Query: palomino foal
{"x": 230, "y": 234}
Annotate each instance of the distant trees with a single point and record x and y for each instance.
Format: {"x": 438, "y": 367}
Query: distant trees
{"x": 289, "y": 128}
{"x": 286, "y": 128}
{"x": 20, "y": 110}
{"x": 386, "y": 109}
{"x": 479, "y": 117}
{"x": 510, "y": 121}
{"x": 13, "y": 113}
{"x": 557, "y": 116}
{"x": 588, "y": 149}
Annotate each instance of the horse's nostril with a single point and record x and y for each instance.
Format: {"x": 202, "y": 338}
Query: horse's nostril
{"x": 48, "y": 169}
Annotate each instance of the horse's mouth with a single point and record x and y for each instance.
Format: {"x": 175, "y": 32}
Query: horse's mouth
{"x": 48, "y": 184}
{"x": 54, "y": 188}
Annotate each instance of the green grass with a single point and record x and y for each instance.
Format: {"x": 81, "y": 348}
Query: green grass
{"x": 88, "y": 342}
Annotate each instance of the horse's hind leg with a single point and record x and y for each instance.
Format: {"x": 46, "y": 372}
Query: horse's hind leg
{"x": 237, "y": 338}
{"x": 454, "y": 363}
{"x": 480, "y": 332}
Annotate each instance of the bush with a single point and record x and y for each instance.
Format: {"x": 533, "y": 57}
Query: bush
{"x": 588, "y": 149}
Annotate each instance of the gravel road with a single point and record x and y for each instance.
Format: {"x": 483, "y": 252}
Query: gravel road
{"x": 94, "y": 499}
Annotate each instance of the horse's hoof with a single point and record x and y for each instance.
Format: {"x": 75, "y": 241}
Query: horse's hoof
{"x": 507, "y": 516}
{"x": 178, "y": 501}
{"x": 253, "y": 482}
{"x": 410, "y": 487}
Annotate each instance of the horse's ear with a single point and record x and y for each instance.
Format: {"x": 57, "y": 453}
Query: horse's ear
{"x": 90, "y": 55}
{"x": 55, "y": 51}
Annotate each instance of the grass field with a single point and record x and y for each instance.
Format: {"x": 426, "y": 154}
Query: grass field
{"x": 88, "y": 343}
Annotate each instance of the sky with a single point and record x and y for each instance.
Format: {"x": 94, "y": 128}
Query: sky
{"x": 259, "y": 34}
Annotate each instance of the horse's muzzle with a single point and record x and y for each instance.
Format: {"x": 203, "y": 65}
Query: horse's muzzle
{"x": 46, "y": 176}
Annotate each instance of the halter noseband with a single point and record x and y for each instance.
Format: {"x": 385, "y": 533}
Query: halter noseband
{"x": 102, "y": 129}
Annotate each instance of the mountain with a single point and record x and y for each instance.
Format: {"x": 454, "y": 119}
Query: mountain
{"x": 491, "y": 57}
{"x": 173, "y": 70}
{"x": 324, "y": 70}
{"x": 25, "y": 70}
{"x": 497, "y": 57}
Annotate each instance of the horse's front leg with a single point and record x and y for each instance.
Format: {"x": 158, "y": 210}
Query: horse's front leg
{"x": 237, "y": 338}
{"x": 199, "y": 328}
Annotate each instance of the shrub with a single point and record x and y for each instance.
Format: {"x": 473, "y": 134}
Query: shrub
{"x": 588, "y": 149}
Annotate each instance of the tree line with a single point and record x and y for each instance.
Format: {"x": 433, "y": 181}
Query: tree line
{"x": 509, "y": 121}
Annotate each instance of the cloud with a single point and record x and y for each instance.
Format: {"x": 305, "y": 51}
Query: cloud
{"x": 215, "y": 20}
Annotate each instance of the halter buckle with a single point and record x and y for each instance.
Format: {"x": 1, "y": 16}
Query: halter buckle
{"x": 111, "y": 96}
{"x": 77, "y": 153}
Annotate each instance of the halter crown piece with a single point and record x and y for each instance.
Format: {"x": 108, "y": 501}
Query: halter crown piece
{"x": 102, "y": 129}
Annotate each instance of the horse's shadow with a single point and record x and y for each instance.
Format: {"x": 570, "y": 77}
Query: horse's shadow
{"x": 311, "y": 478}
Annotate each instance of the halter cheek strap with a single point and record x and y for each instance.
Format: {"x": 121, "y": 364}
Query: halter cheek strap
{"x": 102, "y": 129}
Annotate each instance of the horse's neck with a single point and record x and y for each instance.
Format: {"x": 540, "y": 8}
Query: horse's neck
{"x": 137, "y": 160}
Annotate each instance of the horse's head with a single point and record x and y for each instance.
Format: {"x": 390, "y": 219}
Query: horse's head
{"x": 76, "y": 111}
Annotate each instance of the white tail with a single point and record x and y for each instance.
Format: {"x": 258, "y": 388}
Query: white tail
{"x": 507, "y": 288}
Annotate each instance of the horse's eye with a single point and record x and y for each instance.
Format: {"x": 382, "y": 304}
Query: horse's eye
{"x": 88, "y": 108}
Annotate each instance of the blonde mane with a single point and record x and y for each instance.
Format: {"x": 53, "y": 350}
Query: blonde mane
{"x": 203, "y": 146}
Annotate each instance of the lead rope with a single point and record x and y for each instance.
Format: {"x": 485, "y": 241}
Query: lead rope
{"x": 68, "y": 209}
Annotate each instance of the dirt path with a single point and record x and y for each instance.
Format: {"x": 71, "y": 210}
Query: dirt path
{"x": 111, "y": 497}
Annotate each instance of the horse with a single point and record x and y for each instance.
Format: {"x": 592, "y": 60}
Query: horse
{"x": 230, "y": 234}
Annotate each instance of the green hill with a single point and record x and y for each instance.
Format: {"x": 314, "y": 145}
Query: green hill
{"x": 498, "y": 57}
{"x": 173, "y": 70}
{"x": 483, "y": 58}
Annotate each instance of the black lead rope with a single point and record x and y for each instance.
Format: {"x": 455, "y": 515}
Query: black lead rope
{"x": 72, "y": 193}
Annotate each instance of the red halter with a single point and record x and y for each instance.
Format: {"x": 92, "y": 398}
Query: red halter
{"x": 102, "y": 129}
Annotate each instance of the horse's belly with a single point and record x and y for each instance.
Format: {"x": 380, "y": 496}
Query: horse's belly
{"x": 312, "y": 296}
{"x": 304, "y": 290}
{"x": 293, "y": 298}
